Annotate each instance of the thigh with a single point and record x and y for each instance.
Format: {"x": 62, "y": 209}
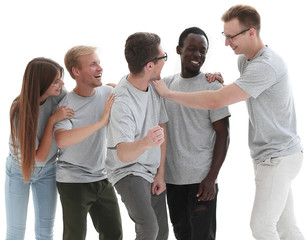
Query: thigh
{"x": 202, "y": 215}
{"x": 135, "y": 193}
{"x": 105, "y": 212}
{"x": 76, "y": 200}
{"x": 178, "y": 205}
{"x": 45, "y": 200}
{"x": 273, "y": 183}
{"x": 16, "y": 200}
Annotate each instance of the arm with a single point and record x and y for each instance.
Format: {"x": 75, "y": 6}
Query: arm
{"x": 130, "y": 151}
{"x": 225, "y": 96}
{"x": 158, "y": 185}
{"x": 66, "y": 138}
{"x": 207, "y": 186}
{"x": 45, "y": 144}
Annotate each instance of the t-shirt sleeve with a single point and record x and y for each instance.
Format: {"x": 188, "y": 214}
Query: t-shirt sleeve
{"x": 163, "y": 114}
{"x": 121, "y": 127}
{"x": 256, "y": 78}
{"x": 66, "y": 123}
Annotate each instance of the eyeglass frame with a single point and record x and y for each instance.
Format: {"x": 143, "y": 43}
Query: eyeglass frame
{"x": 231, "y": 37}
{"x": 159, "y": 58}
{"x": 57, "y": 83}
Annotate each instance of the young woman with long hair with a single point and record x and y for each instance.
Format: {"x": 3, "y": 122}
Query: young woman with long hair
{"x": 32, "y": 150}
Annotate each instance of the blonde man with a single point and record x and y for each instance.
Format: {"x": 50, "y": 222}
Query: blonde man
{"x": 81, "y": 176}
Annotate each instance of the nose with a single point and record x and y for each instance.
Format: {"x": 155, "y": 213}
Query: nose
{"x": 227, "y": 41}
{"x": 100, "y": 68}
{"x": 61, "y": 82}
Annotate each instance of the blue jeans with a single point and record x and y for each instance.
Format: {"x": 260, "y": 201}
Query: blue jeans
{"x": 17, "y": 196}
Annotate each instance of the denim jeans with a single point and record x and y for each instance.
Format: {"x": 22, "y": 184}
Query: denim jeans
{"x": 273, "y": 214}
{"x": 191, "y": 219}
{"x": 147, "y": 211}
{"x": 17, "y": 192}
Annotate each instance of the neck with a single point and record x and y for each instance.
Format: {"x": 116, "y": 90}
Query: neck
{"x": 42, "y": 99}
{"x": 138, "y": 81}
{"x": 252, "y": 53}
{"x": 84, "y": 92}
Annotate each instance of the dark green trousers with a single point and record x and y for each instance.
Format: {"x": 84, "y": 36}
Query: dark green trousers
{"x": 99, "y": 200}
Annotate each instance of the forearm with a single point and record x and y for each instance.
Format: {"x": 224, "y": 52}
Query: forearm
{"x": 66, "y": 138}
{"x": 130, "y": 151}
{"x": 163, "y": 148}
{"x": 199, "y": 100}
{"x": 225, "y": 96}
{"x": 219, "y": 155}
{"x": 45, "y": 143}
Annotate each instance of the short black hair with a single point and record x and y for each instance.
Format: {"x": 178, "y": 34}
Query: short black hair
{"x": 194, "y": 30}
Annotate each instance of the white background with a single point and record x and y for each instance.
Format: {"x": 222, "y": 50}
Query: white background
{"x": 49, "y": 28}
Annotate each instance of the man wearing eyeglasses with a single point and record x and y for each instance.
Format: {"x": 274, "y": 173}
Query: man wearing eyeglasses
{"x": 274, "y": 144}
{"x": 197, "y": 142}
{"x": 136, "y": 138}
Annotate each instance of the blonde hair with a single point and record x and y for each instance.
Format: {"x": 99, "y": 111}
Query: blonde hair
{"x": 71, "y": 58}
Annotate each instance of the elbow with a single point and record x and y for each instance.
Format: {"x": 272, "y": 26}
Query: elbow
{"x": 121, "y": 154}
{"x": 214, "y": 104}
{"x": 60, "y": 141}
{"x": 122, "y": 157}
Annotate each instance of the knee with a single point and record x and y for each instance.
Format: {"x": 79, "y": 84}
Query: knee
{"x": 261, "y": 228}
{"x": 149, "y": 230}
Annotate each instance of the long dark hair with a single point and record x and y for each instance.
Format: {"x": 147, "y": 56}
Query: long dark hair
{"x": 38, "y": 76}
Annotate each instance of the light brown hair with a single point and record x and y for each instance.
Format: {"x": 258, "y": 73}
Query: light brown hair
{"x": 247, "y": 16}
{"x": 38, "y": 76}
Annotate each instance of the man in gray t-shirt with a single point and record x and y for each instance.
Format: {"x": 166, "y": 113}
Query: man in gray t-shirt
{"x": 81, "y": 176}
{"x": 274, "y": 144}
{"x": 197, "y": 142}
{"x": 136, "y": 146}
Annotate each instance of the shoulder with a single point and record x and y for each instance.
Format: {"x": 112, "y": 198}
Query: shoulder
{"x": 169, "y": 79}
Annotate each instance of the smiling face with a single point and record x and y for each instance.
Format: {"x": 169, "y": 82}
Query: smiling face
{"x": 193, "y": 54}
{"x": 89, "y": 73}
{"x": 54, "y": 89}
{"x": 239, "y": 43}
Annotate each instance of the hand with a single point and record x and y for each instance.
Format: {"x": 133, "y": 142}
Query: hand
{"x": 107, "y": 110}
{"x": 161, "y": 88}
{"x": 206, "y": 191}
{"x": 158, "y": 186}
{"x": 155, "y": 136}
{"x": 62, "y": 113}
{"x": 113, "y": 85}
{"x": 211, "y": 77}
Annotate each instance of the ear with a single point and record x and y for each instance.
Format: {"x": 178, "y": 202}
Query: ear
{"x": 75, "y": 71}
{"x": 178, "y": 50}
{"x": 149, "y": 66}
{"x": 253, "y": 32}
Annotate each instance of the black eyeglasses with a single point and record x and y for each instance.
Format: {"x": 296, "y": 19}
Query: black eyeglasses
{"x": 159, "y": 58}
{"x": 231, "y": 37}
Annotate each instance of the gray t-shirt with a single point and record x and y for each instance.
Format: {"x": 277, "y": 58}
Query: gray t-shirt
{"x": 84, "y": 161}
{"x": 190, "y": 134}
{"x": 45, "y": 111}
{"x": 272, "y": 119}
{"x": 133, "y": 113}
